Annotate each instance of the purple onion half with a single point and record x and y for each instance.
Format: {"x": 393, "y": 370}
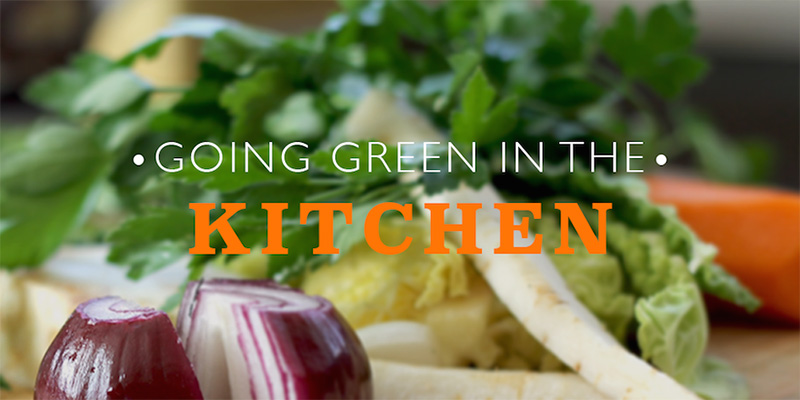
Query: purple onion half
{"x": 258, "y": 339}
{"x": 113, "y": 349}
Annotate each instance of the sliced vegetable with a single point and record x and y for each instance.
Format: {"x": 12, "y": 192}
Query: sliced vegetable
{"x": 113, "y": 349}
{"x": 537, "y": 295}
{"x": 756, "y": 230}
{"x": 392, "y": 380}
{"x": 534, "y": 291}
{"x": 402, "y": 341}
{"x": 258, "y": 339}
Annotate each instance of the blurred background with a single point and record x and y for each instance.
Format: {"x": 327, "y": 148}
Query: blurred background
{"x": 751, "y": 92}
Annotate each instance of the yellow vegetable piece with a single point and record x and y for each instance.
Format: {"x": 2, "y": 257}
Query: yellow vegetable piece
{"x": 443, "y": 291}
{"x": 368, "y": 287}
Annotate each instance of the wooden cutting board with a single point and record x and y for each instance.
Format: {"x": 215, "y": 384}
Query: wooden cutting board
{"x": 768, "y": 357}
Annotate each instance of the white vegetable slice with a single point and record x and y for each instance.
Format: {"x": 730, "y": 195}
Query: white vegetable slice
{"x": 402, "y": 381}
{"x": 533, "y": 290}
{"x": 529, "y": 285}
{"x": 402, "y": 341}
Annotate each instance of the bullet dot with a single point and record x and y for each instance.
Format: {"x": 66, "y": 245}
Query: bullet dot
{"x": 138, "y": 159}
{"x": 661, "y": 159}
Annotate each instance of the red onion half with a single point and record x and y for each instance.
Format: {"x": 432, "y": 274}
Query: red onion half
{"x": 261, "y": 340}
{"x": 113, "y": 349}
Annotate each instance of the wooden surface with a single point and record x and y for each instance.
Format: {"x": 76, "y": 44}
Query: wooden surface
{"x": 768, "y": 357}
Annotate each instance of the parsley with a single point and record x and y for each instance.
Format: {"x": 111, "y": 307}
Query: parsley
{"x": 482, "y": 72}
{"x": 479, "y": 121}
{"x": 659, "y": 51}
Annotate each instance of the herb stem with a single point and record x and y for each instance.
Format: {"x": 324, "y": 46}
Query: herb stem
{"x": 329, "y": 194}
{"x": 327, "y": 181}
{"x": 171, "y": 89}
{"x": 605, "y": 75}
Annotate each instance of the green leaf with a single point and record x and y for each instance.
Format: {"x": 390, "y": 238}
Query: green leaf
{"x": 297, "y": 119}
{"x": 292, "y": 193}
{"x": 369, "y": 170}
{"x": 714, "y": 280}
{"x": 118, "y": 131}
{"x": 669, "y": 27}
{"x": 570, "y": 36}
{"x": 56, "y": 91}
{"x": 110, "y": 93}
{"x": 659, "y": 51}
{"x": 250, "y": 99}
{"x": 197, "y": 116}
{"x": 48, "y": 188}
{"x": 570, "y": 92}
{"x": 620, "y": 41}
{"x": 715, "y": 379}
{"x": 234, "y": 175}
{"x": 300, "y": 240}
{"x": 153, "y": 240}
{"x": 197, "y": 126}
{"x": 54, "y": 156}
{"x": 435, "y": 182}
{"x": 196, "y": 26}
{"x": 4, "y": 385}
{"x": 238, "y": 48}
{"x": 647, "y": 258}
{"x": 345, "y": 236}
{"x": 476, "y": 99}
{"x": 674, "y": 73}
{"x": 476, "y": 120}
{"x": 463, "y": 65}
{"x": 673, "y": 330}
{"x": 500, "y": 121}
{"x": 34, "y": 227}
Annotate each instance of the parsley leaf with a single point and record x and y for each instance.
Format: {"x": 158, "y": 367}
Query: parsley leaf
{"x": 569, "y": 38}
{"x": 570, "y": 92}
{"x": 250, "y": 99}
{"x": 152, "y": 241}
{"x": 476, "y": 120}
{"x": 197, "y": 26}
{"x": 110, "y": 93}
{"x": 48, "y": 188}
{"x": 659, "y": 51}
{"x": 57, "y": 90}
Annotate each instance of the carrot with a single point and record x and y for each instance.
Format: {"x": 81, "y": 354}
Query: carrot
{"x": 756, "y": 230}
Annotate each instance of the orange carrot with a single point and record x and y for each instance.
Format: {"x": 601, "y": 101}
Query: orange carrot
{"x": 756, "y": 230}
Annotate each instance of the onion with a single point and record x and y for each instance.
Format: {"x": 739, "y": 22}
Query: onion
{"x": 113, "y": 349}
{"x": 258, "y": 339}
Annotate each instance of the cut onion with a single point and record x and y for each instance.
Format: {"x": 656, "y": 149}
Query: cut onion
{"x": 261, "y": 340}
{"x": 113, "y": 349}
